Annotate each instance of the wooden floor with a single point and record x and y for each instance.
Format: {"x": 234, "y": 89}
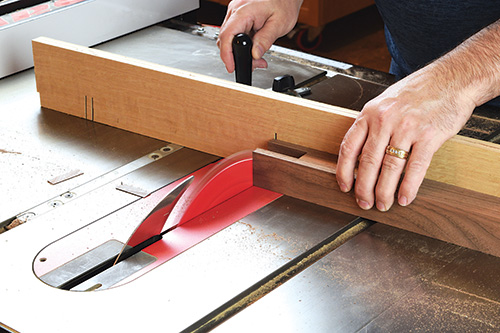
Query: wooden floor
{"x": 356, "y": 39}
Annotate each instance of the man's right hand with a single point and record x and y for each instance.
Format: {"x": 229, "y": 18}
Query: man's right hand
{"x": 266, "y": 20}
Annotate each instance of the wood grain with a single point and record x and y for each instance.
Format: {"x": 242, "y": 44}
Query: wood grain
{"x": 442, "y": 211}
{"x": 217, "y": 116}
{"x": 196, "y": 111}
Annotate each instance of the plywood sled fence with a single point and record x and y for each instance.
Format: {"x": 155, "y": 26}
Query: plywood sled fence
{"x": 222, "y": 118}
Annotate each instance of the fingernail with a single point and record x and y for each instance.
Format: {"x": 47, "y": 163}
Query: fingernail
{"x": 403, "y": 201}
{"x": 258, "y": 52}
{"x": 363, "y": 204}
{"x": 343, "y": 187}
{"x": 381, "y": 207}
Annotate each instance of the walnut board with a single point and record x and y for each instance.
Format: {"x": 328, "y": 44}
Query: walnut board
{"x": 445, "y": 212}
{"x": 217, "y": 116}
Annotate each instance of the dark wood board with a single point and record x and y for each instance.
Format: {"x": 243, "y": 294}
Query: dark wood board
{"x": 442, "y": 211}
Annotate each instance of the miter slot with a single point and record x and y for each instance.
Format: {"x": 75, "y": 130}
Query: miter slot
{"x": 272, "y": 281}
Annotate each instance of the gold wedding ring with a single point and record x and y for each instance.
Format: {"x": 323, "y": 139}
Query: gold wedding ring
{"x": 400, "y": 153}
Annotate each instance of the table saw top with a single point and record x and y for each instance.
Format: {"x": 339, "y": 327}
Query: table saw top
{"x": 383, "y": 279}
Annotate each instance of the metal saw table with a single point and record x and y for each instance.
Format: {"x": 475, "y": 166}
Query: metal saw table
{"x": 383, "y": 279}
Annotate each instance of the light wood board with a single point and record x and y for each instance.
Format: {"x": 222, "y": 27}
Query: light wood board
{"x": 217, "y": 116}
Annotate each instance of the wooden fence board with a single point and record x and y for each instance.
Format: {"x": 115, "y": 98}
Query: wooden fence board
{"x": 218, "y": 116}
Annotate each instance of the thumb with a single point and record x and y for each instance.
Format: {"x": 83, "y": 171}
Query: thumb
{"x": 263, "y": 40}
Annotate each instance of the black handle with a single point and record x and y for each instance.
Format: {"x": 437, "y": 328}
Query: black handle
{"x": 242, "y": 52}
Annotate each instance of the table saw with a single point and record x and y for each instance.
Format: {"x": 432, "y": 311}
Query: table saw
{"x": 249, "y": 260}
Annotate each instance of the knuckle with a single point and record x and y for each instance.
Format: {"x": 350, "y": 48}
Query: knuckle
{"x": 369, "y": 160}
{"x": 407, "y": 124}
{"x": 417, "y": 166}
{"x": 391, "y": 164}
{"x": 381, "y": 117}
{"x": 363, "y": 193}
{"x": 384, "y": 195}
{"x": 346, "y": 148}
{"x": 429, "y": 134}
{"x": 409, "y": 190}
{"x": 377, "y": 113}
{"x": 372, "y": 104}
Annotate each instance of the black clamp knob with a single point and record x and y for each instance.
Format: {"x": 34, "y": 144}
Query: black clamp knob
{"x": 283, "y": 83}
{"x": 286, "y": 84}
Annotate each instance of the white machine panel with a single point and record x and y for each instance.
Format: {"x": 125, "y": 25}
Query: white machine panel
{"x": 87, "y": 22}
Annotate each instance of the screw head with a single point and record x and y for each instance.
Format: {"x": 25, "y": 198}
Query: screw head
{"x": 68, "y": 195}
{"x": 55, "y": 203}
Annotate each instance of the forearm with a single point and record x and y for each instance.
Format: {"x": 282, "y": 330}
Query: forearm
{"x": 472, "y": 69}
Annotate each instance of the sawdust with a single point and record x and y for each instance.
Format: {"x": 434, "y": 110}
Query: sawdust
{"x": 403, "y": 296}
{"x": 279, "y": 278}
{"x": 436, "y": 307}
{"x": 249, "y": 226}
{"x": 271, "y": 243}
{"x": 470, "y": 306}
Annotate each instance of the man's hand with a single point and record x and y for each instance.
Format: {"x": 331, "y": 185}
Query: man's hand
{"x": 417, "y": 114}
{"x": 266, "y": 20}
